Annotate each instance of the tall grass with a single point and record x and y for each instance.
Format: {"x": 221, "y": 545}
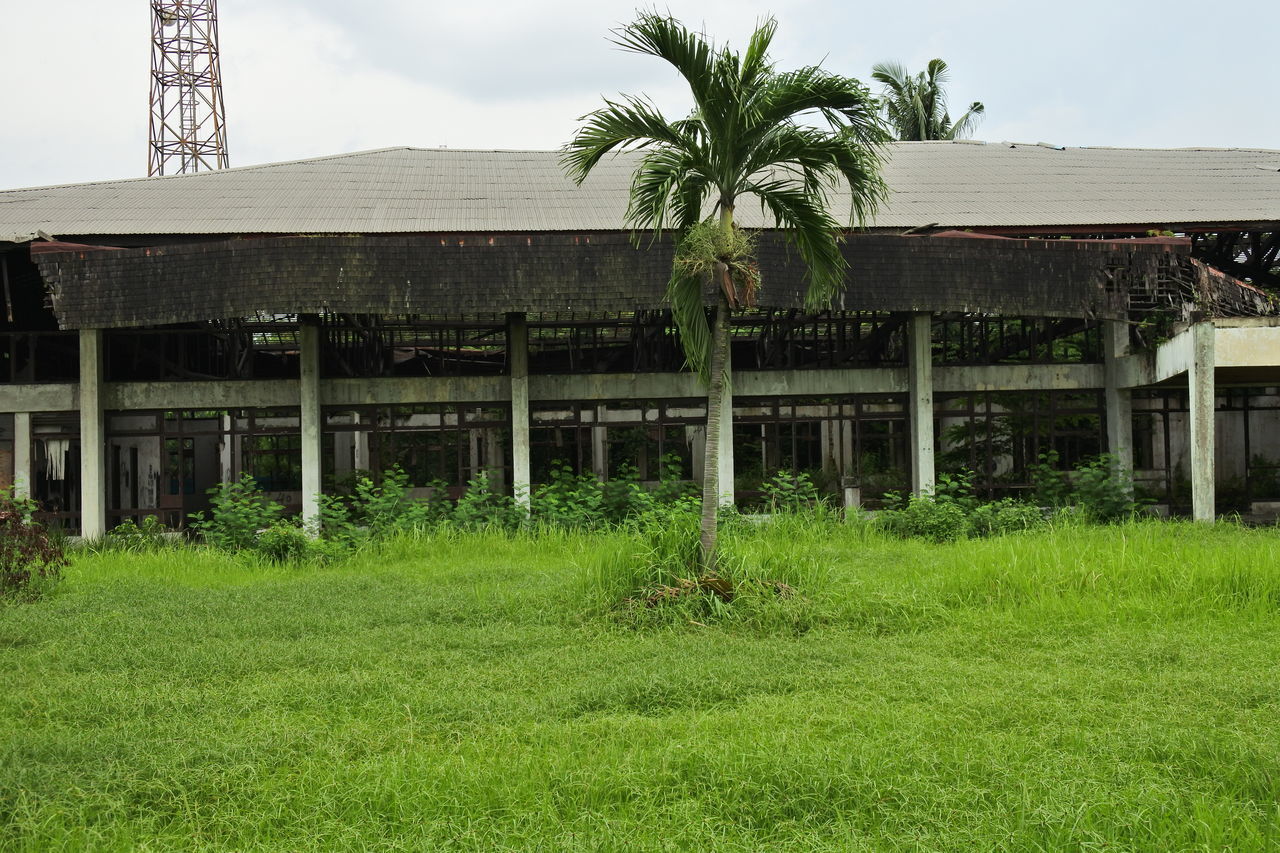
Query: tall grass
{"x": 1081, "y": 688}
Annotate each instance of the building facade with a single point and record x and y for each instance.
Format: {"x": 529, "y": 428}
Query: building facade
{"x": 474, "y": 314}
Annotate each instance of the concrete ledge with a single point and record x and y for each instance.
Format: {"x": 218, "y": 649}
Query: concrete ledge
{"x": 409, "y": 390}
{"x": 1018, "y": 377}
{"x": 61, "y": 397}
{"x": 255, "y": 393}
{"x": 1247, "y": 346}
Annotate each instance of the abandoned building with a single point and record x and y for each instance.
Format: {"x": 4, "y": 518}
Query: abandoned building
{"x": 458, "y": 313}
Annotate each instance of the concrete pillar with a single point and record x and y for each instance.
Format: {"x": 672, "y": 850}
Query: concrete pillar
{"x": 359, "y": 447}
{"x": 226, "y": 449}
{"x": 725, "y": 469}
{"x": 22, "y": 455}
{"x": 518, "y": 362}
{"x": 93, "y": 457}
{"x": 600, "y": 445}
{"x": 1200, "y": 390}
{"x": 1119, "y": 401}
{"x": 696, "y": 437}
{"x": 920, "y": 401}
{"x": 495, "y": 458}
{"x": 309, "y": 404}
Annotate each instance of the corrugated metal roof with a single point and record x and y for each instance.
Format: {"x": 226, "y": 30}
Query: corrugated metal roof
{"x": 954, "y": 184}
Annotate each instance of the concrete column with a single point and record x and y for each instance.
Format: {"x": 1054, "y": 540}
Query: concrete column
{"x": 725, "y": 468}
{"x": 359, "y": 447}
{"x": 226, "y": 450}
{"x": 494, "y": 458}
{"x": 93, "y": 457}
{"x": 920, "y": 401}
{"x": 600, "y": 446}
{"x": 1200, "y": 390}
{"x": 518, "y": 362}
{"x": 696, "y": 437}
{"x": 22, "y": 455}
{"x": 309, "y": 404}
{"x": 1119, "y": 401}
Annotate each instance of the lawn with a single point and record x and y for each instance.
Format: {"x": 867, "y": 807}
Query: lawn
{"x": 1076, "y": 689}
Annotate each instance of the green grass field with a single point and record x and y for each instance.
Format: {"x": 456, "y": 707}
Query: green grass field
{"x": 1081, "y": 689}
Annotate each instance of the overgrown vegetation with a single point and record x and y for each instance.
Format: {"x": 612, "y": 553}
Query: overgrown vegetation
{"x": 31, "y": 561}
{"x": 1076, "y": 687}
{"x": 1094, "y": 492}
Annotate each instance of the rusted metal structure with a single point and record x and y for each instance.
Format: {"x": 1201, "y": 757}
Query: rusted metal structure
{"x": 188, "y": 130}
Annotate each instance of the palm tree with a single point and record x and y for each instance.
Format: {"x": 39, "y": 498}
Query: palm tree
{"x": 916, "y": 106}
{"x": 745, "y": 136}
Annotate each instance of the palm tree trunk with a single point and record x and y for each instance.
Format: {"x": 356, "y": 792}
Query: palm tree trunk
{"x": 720, "y": 339}
{"x": 711, "y": 457}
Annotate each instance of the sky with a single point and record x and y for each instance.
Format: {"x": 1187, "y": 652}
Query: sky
{"x": 305, "y": 79}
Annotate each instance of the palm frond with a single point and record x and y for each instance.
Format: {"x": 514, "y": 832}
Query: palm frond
{"x": 964, "y": 125}
{"x": 667, "y": 190}
{"x": 684, "y": 292}
{"x": 666, "y": 38}
{"x": 629, "y": 122}
{"x": 812, "y": 230}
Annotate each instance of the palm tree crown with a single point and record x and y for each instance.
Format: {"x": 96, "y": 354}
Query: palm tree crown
{"x": 916, "y": 105}
{"x": 745, "y": 135}
{"x": 751, "y": 132}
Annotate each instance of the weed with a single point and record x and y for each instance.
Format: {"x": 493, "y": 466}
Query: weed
{"x": 31, "y": 561}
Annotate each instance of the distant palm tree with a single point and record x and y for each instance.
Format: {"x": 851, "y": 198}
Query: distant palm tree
{"x": 745, "y": 136}
{"x": 916, "y": 106}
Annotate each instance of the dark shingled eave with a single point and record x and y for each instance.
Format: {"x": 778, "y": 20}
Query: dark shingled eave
{"x": 469, "y": 274}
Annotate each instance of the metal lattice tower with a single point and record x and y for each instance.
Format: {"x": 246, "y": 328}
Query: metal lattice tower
{"x": 188, "y": 124}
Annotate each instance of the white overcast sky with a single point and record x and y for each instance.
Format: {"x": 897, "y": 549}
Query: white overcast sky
{"x": 320, "y": 77}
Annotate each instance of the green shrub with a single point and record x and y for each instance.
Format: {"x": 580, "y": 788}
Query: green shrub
{"x": 624, "y": 497}
{"x": 1096, "y": 487}
{"x": 569, "y": 500}
{"x": 672, "y": 487}
{"x": 481, "y": 506}
{"x": 928, "y": 517}
{"x": 1006, "y": 516}
{"x": 151, "y": 535}
{"x": 31, "y": 561}
{"x": 789, "y": 492}
{"x": 284, "y": 542}
{"x": 369, "y": 510}
{"x": 237, "y": 512}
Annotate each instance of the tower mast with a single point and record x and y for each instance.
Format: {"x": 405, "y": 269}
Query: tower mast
{"x": 188, "y": 124}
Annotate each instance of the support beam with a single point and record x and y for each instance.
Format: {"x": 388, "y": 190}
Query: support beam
{"x": 310, "y": 418}
{"x": 93, "y": 466}
{"x": 1119, "y": 400}
{"x": 518, "y": 364}
{"x": 920, "y": 401}
{"x": 22, "y": 454}
{"x": 1200, "y": 390}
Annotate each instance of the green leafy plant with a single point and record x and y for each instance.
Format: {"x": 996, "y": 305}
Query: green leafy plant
{"x": 1096, "y": 488}
{"x": 789, "y": 492}
{"x": 927, "y": 517}
{"x": 284, "y": 542}
{"x": 238, "y": 511}
{"x": 1006, "y": 516}
{"x": 128, "y": 535}
{"x": 569, "y": 500}
{"x": 482, "y": 506}
{"x": 31, "y": 561}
